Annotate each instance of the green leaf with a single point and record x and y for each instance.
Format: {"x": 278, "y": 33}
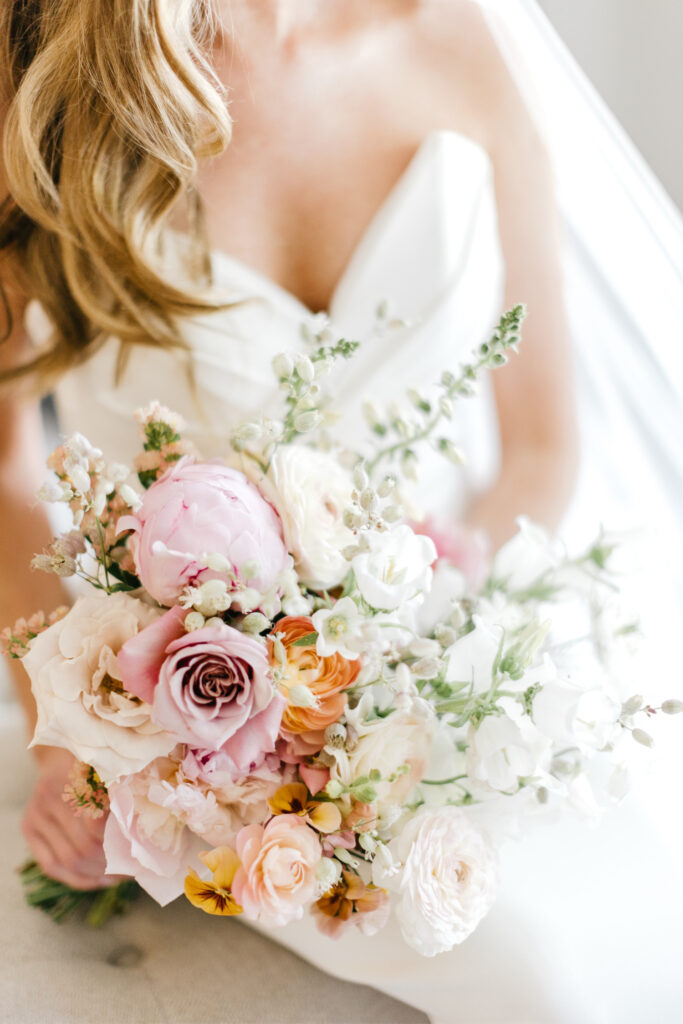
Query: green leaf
{"x": 309, "y": 640}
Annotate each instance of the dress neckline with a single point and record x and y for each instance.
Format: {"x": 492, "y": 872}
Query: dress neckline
{"x": 244, "y": 274}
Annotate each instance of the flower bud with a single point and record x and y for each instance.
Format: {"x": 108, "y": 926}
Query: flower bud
{"x": 368, "y": 500}
{"x": 642, "y": 737}
{"x": 218, "y": 563}
{"x": 283, "y": 365}
{"x": 427, "y": 668}
{"x": 255, "y": 623}
{"x": 351, "y": 519}
{"x": 672, "y": 707}
{"x": 422, "y": 647}
{"x": 305, "y": 368}
{"x": 632, "y": 705}
{"x": 306, "y": 421}
{"x": 301, "y": 696}
{"x": 392, "y": 514}
{"x": 451, "y": 451}
{"x": 334, "y": 789}
{"x": 387, "y": 486}
{"x": 367, "y": 842}
{"x": 410, "y": 466}
{"x": 194, "y": 620}
{"x": 212, "y": 598}
{"x": 360, "y": 478}
{"x": 131, "y": 497}
{"x": 215, "y": 620}
{"x": 344, "y": 856}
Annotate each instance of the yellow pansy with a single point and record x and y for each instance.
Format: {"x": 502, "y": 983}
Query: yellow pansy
{"x": 215, "y": 897}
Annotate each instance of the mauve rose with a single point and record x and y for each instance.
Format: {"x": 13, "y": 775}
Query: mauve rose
{"x": 211, "y": 688}
{"x": 200, "y": 508}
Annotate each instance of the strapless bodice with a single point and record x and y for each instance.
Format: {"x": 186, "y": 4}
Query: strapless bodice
{"x": 431, "y": 252}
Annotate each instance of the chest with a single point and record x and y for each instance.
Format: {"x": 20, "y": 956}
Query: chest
{"x": 315, "y": 152}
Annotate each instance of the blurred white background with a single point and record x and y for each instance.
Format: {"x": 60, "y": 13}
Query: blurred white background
{"x": 631, "y": 50}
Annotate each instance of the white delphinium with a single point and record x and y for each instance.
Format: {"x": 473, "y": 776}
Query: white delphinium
{"x": 444, "y": 872}
{"x": 395, "y": 569}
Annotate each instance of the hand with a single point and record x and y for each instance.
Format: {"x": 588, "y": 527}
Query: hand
{"x": 67, "y": 847}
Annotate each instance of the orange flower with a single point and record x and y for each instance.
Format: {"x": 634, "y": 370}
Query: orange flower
{"x": 295, "y": 799}
{"x": 326, "y": 678}
{"x": 215, "y": 897}
{"x": 346, "y": 901}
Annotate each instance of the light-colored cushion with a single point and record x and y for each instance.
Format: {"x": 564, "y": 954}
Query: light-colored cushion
{"x": 153, "y": 966}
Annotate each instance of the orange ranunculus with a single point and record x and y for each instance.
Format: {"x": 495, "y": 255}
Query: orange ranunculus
{"x": 326, "y": 678}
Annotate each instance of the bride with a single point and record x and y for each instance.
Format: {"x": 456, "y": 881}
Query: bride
{"x": 158, "y": 241}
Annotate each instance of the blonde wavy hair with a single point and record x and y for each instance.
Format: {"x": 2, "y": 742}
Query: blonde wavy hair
{"x": 111, "y": 105}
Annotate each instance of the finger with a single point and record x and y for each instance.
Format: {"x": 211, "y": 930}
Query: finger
{"x": 75, "y": 847}
{"x": 49, "y": 862}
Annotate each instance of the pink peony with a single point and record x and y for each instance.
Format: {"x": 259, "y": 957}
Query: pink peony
{"x": 196, "y": 509}
{"x": 146, "y": 839}
{"x": 211, "y": 688}
{"x": 277, "y": 876}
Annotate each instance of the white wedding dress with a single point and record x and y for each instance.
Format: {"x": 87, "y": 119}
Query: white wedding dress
{"x": 587, "y": 928}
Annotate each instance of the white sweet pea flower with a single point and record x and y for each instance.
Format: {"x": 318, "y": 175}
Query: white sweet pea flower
{"x": 471, "y": 658}
{"x": 395, "y": 569}
{"x": 338, "y": 629}
{"x": 573, "y": 716}
{"x": 447, "y": 882}
{"x": 507, "y": 748}
{"x": 529, "y": 555}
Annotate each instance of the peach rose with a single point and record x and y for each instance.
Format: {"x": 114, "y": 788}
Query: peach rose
{"x": 277, "y": 876}
{"x": 326, "y": 678}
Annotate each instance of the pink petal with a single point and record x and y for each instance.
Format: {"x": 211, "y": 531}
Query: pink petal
{"x": 256, "y": 738}
{"x": 315, "y": 778}
{"x": 141, "y": 657}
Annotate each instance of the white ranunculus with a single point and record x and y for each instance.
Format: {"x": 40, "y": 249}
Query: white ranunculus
{"x": 76, "y": 682}
{"x": 395, "y": 569}
{"x": 310, "y": 492}
{"x": 506, "y": 748}
{"x": 448, "y": 881}
{"x": 529, "y": 555}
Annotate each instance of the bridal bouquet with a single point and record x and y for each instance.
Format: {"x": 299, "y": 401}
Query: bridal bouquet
{"x": 282, "y": 698}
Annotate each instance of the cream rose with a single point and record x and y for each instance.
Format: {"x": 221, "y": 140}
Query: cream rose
{"x": 76, "y": 681}
{"x": 310, "y": 492}
{"x": 447, "y": 879}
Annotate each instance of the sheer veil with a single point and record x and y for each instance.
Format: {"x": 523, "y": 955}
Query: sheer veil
{"x": 624, "y": 278}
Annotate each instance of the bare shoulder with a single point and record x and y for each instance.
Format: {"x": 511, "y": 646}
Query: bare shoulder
{"x": 456, "y": 50}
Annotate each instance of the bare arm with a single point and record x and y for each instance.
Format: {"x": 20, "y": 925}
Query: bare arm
{"x": 66, "y": 847}
{"x": 534, "y": 392}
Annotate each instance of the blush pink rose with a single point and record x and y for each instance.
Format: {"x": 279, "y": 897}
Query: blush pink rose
{"x": 277, "y": 876}
{"x": 200, "y": 508}
{"x": 210, "y": 689}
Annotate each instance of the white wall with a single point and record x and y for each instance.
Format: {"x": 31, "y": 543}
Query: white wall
{"x": 632, "y": 51}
